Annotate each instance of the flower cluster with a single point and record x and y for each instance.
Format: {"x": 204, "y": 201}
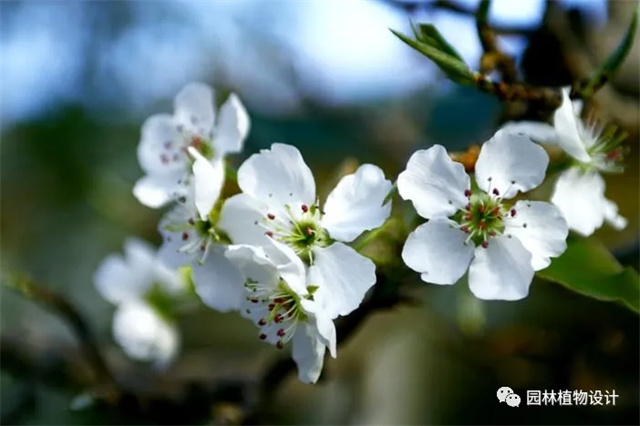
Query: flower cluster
{"x": 284, "y": 260}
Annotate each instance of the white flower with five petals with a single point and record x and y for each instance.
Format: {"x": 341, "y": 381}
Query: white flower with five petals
{"x": 280, "y": 300}
{"x": 500, "y": 244}
{"x": 143, "y": 290}
{"x": 579, "y": 190}
{"x": 278, "y": 202}
{"x": 166, "y": 141}
{"x": 192, "y": 237}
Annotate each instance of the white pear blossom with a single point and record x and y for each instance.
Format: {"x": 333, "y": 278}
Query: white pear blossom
{"x": 194, "y": 126}
{"x": 192, "y": 237}
{"x": 144, "y": 291}
{"x": 278, "y": 202}
{"x": 280, "y": 300}
{"x": 579, "y": 190}
{"x": 501, "y": 244}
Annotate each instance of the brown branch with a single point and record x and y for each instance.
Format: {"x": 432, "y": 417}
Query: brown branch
{"x": 493, "y": 58}
{"x": 69, "y": 314}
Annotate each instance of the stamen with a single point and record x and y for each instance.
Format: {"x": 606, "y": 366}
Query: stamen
{"x": 262, "y": 336}
{"x": 279, "y": 345}
{"x": 496, "y": 192}
{"x": 513, "y": 212}
{"x": 485, "y": 244}
{"x": 467, "y": 193}
{"x": 185, "y": 236}
{"x": 271, "y": 216}
{"x": 305, "y": 208}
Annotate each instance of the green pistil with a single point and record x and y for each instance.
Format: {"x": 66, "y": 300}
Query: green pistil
{"x": 482, "y": 218}
{"x": 305, "y": 233}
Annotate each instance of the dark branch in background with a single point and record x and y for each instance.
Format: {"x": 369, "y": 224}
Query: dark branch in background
{"x": 385, "y": 295}
{"x": 71, "y": 316}
{"x": 493, "y": 58}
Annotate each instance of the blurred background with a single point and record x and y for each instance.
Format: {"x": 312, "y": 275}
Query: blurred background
{"x": 79, "y": 78}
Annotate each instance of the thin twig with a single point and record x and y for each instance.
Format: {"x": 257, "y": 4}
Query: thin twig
{"x": 67, "y": 312}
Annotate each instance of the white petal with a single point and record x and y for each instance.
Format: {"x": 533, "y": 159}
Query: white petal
{"x": 323, "y": 324}
{"x": 218, "y": 282}
{"x": 277, "y": 176}
{"x": 232, "y": 128}
{"x": 545, "y": 233}
{"x": 209, "y": 178}
{"x": 438, "y": 251}
{"x": 355, "y": 204}
{"x": 308, "y": 353}
{"x": 289, "y": 265}
{"x": 193, "y": 109}
{"x": 565, "y": 121}
{"x": 434, "y": 183}
{"x": 510, "y": 163}
{"x": 580, "y": 198}
{"x": 241, "y": 218}
{"x": 537, "y": 131}
{"x": 612, "y": 217}
{"x": 170, "y": 252}
{"x": 144, "y": 335}
{"x": 160, "y": 148}
{"x": 343, "y": 277}
{"x": 114, "y": 281}
{"x": 502, "y": 271}
{"x": 119, "y": 279}
{"x": 253, "y": 264}
{"x": 156, "y": 191}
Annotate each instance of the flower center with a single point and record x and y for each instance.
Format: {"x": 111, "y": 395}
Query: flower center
{"x": 278, "y": 308}
{"x": 198, "y": 235}
{"x": 483, "y": 217}
{"x": 300, "y": 229}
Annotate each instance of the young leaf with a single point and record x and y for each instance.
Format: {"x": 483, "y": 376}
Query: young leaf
{"x": 613, "y": 62}
{"x": 588, "y": 268}
{"x": 453, "y": 67}
{"x": 429, "y": 34}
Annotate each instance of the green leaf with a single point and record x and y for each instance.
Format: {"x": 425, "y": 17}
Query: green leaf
{"x": 429, "y": 34}
{"x": 588, "y": 268}
{"x": 613, "y": 62}
{"x": 453, "y": 67}
{"x": 391, "y": 193}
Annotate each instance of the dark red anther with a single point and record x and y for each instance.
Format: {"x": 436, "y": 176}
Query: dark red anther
{"x": 254, "y": 300}
{"x": 262, "y": 336}
{"x": 271, "y": 216}
{"x": 203, "y": 247}
{"x": 467, "y": 193}
{"x": 482, "y": 224}
{"x": 192, "y": 221}
{"x": 278, "y": 318}
{"x": 271, "y": 306}
{"x": 496, "y": 192}
{"x": 262, "y": 322}
{"x": 279, "y": 345}
{"x": 513, "y": 212}
{"x": 269, "y": 234}
{"x": 281, "y": 332}
{"x": 305, "y": 208}
{"x": 185, "y": 236}
{"x": 468, "y": 216}
{"x": 492, "y": 234}
{"x": 495, "y": 210}
{"x": 468, "y": 206}
{"x": 279, "y": 300}
{"x": 464, "y": 229}
{"x": 485, "y": 244}
{"x": 481, "y": 209}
